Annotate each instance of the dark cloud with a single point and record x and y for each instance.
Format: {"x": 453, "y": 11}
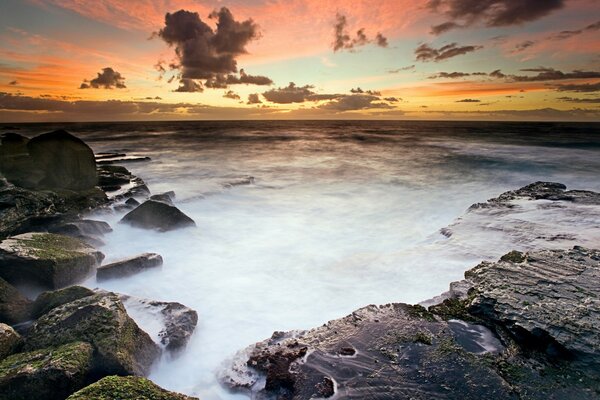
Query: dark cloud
{"x": 295, "y": 94}
{"x": 343, "y": 41}
{"x": 468, "y": 101}
{"x": 580, "y": 100}
{"x": 407, "y": 68}
{"x": 455, "y": 75}
{"x": 189, "y": 85}
{"x": 523, "y": 45}
{"x": 427, "y": 53}
{"x": 584, "y": 88}
{"x": 254, "y": 99}
{"x": 13, "y": 83}
{"x": 393, "y": 99}
{"x": 497, "y": 74}
{"x": 206, "y": 54}
{"x": 540, "y": 114}
{"x": 491, "y": 13}
{"x": 358, "y": 90}
{"x": 567, "y": 34}
{"x": 230, "y": 94}
{"x": 355, "y": 102}
{"x": 107, "y": 79}
{"x": 550, "y": 74}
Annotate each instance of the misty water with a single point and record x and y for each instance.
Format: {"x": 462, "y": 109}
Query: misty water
{"x": 338, "y": 215}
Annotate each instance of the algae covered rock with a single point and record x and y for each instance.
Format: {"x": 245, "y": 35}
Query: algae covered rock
{"x": 45, "y": 259}
{"x": 126, "y": 388}
{"x": 49, "y": 374}
{"x": 14, "y": 307}
{"x": 50, "y": 300}
{"x": 129, "y": 266}
{"x": 157, "y": 215}
{"x": 121, "y": 347}
{"x": 9, "y": 340}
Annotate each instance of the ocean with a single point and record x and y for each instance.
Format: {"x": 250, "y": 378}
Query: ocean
{"x": 300, "y": 222}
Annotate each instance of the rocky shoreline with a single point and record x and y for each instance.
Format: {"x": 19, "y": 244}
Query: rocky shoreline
{"x": 523, "y": 327}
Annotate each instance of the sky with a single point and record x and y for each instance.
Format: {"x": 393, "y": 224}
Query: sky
{"x": 112, "y": 60}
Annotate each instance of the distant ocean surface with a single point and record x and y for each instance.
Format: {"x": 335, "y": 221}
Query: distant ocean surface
{"x": 300, "y": 222}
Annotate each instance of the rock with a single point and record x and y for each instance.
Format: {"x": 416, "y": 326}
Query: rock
{"x": 14, "y": 307}
{"x": 9, "y": 341}
{"x": 126, "y": 388}
{"x": 125, "y": 159}
{"x": 158, "y": 216}
{"x": 67, "y": 162}
{"x": 15, "y": 163}
{"x": 49, "y": 300}
{"x": 166, "y": 197}
{"x": 121, "y": 347}
{"x": 131, "y": 202}
{"x": 121, "y": 183}
{"x": 45, "y": 259}
{"x": 177, "y": 322}
{"x": 128, "y": 267}
{"x": 49, "y": 374}
{"x": 83, "y": 227}
{"x": 396, "y": 351}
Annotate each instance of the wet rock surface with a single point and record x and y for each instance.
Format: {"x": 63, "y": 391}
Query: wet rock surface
{"x": 14, "y": 307}
{"x": 50, "y": 374}
{"x": 47, "y": 301}
{"x": 126, "y": 388}
{"x": 157, "y": 215}
{"x": 45, "y": 259}
{"x": 120, "y": 346}
{"x": 129, "y": 266}
{"x": 10, "y": 341}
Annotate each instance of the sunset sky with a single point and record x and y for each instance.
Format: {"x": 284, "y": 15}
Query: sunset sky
{"x": 79, "y": 60}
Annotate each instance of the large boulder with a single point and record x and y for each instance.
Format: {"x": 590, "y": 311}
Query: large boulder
{"x": 67, "y": 162}
{"x": 157, "y": 215}
{"x": 47, "y": 301}
{"x": 45, "y": 259}
{"x": 126, "y": 388}
{"x": 14, "y": 307}
{"x": 10, "y": 341}
{"x": 49, "y": 374}
{"x": 121, "y": 347}
{"x": 129, "y": 266}
{"x": 15, "y": 163}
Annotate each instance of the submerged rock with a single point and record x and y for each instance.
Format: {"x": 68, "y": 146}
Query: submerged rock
{"x": 14, "y": 307}
{"x": 126, "y": 388}
{"x": 49, "y": 374}
{"x": 10, "y": 341}
{"x": 49, "y": 300}
{"x": 129, "y": 266}
{"x": 45, "y": 259}
{"x": 166, "y": 197}
{"x": 121, "y": 347}
{"x": 158, "y": 216}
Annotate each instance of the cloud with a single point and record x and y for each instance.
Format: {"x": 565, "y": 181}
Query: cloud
{"x": 189, "y": 85}
{"x": 585, "y": 87}
{"x": 354, "y": 102}
{"x": 393, "y": 99}
{"x": 538, "y": 114}
{"x": 211, "y": 55}
{"x": 296, "y": 94}
{"x": 497, "y": 74}
{"x": 567, "y": 34}
{"x": 455, "y": 75}
{"x": 523, "y": 45}
{"x": 468, "y": 101}
{"x": 551, "y": 74}
{"x": 343, "y": 41}
{"x": 398, "y": 70}
{"x": 107, "y": 79}
{"x": 230, "y": 94}
{"x": 358, "y": 90}
{"x": 427, "y": 53}
{"x": 491, "y": 13}
{"x": 580, "y": 100}
{"x": 254, "y": 99}
{"x": 13, "y": 83}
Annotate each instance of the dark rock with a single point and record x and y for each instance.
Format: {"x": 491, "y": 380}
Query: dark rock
{"x": 121, "y": 347}
{"x": 15, "y": 163}
{"x": 244, "y": 180}
{"x": 10, "y": 341}
{"x": 67, "y": 162}
{"x": 49, "y": 374}
{"x": 132, "y": 202}
{"x": 45, "y": 259}
{"x": 159, "y": 216}
{"x": 166, "y": 197}
{"x": 178, "y": 321}
{"x": 125, "y": 159}
{"x": 126, "y": 388}
{"x": 49, "y": 300}
{"x": 128, "y": 267}
{"x": 14, "y": 307}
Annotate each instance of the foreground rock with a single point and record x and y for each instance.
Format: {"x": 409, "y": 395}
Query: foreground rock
{"x": 129, "y": 267}
{"x": 126, "y": 388}
{"x": 158, "y": 216}
{"x": 49, "y": 374}
{"x": 120, "y": 183}
{"x": 10, "y": 341}
{"x": 177, "y": 322}
{"x": 48, "y": 260}
{"x": 14, "y": 307}
{"x": 543, "y": 310}
{"x": 120, "y": 346}
{"x": 49, "y": 300}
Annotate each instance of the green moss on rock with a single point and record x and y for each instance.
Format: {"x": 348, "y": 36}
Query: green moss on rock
{"x": 52, "y": 299}
{"x": 126, "y": 388}
{"x": 9, "y": 341}
{"x": 14, "y": 307}
{"x": 514, "y": 256}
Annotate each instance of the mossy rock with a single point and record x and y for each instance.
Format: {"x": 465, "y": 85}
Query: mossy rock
{"x": 49, "y": 374}
{"x": 514, "y": 257}
{"x": 52, "y": 299}
{"x": 121, "y": 347}
{"x": 9, "y": 341}
{"x": 14, "y": 307}
{"x": 47, "y": 260}
{"x": 126, "y": 388}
